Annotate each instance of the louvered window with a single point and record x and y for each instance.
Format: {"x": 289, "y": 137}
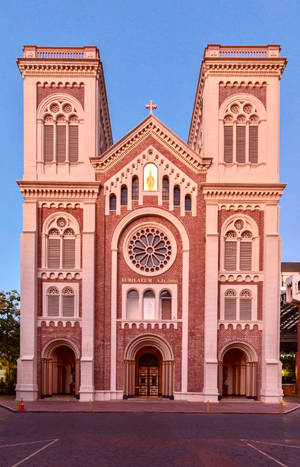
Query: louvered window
{"x": 68, "y": 253}
{"x": 73, "y": 143}
{"x": 53, "y": 253}
{"x": 245, "y": 256}
{"x": 176, "y": 200}
{"x": 60, "y": 143}
{"x": 135, "y": 189}
{"x": 165, "y": 189}
{"x": 124, "y": 195}
{"x": 228, "y": 144}
{"x": 48, "y": 143}
{"x": 230, "y": 309}
{"x": 230, "y": 255}
{"x": 53, "y": 301}
{"x": 68, "y": 302}
{"x": 241, "y": 144}
{"x": 253, "y": 144}
{"x": 245, "y": 309}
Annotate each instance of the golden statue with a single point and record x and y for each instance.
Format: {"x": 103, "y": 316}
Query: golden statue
{"x": 150, "y": 181}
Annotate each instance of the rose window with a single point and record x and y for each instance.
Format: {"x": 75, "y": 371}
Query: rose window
{"x": 149, "y": 250}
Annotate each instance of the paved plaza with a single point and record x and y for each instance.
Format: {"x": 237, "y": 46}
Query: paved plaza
{"x": 148, "y": 439}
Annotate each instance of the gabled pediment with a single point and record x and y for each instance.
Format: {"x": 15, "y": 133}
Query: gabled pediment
{"x": 154, "y": 127}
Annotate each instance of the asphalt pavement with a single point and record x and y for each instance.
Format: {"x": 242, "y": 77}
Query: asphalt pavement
{"x": 139, "y": 439}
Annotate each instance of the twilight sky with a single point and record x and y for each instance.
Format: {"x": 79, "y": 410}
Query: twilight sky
{"x": 150, "y": 50}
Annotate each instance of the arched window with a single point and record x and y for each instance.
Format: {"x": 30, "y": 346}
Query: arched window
{"x": 245, "y": 305}
{"x": 52, "y": 301}
{"x": 135, "y": 188}
{"x": 124, "y": 196}
{"x": 187, "y": 203}
{"x": 165, "y": 188}
{"x": 241, "y": 133}
{"x": 61, "y": 127}
{"x": 61, "y": 245}
{"x": 230, "y": 305}
{"x": 238, "y": 247}
{"x": 165, "y": 304}
{"x": 132, "y": 305}
{"x": 68, "y": 302}
{"x": 176, "y": 199}
{"x": 112, "y": 202}
{"x": 149, "y": 305}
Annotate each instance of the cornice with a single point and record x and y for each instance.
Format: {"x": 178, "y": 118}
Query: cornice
{"x": 243, "y": 192}
{"x": 63, "y": 191}
{"x": 59, "y": 67}
{"x": 151, "y": 126}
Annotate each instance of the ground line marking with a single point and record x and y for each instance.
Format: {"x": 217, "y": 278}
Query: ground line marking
{"x": 277, "y": 444}
{"x": 25, "y": 442}
{"x": 263, "y": 453}
{"x": 36, "y": 452}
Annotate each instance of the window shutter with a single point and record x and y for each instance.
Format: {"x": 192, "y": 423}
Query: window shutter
{"x": 253, "y": 144}
{"x": 68, "y": 253}
{"x": 68, "y": 305}
{"x": 73, "y": 143}
{"x": 245, "y": 256}
{"x": 230, "y": 256}
{"x": 228, "y": 144}
{"x": 60, "y": 143}
{"x": 240, "y": 144}
{"x": 53, "y": 253}
{"x": 48, "y": 143}
{"x": 230, "y": 309}
{"x": 53, "y": 305}
{"x": 245, "y": 309}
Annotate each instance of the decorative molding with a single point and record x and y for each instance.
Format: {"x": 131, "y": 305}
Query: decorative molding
{"x": 144, "y": 325}
{"x": 240, "y": 325}
{"x": 81, "y": 191}
{"x": 59, "y": 205}
{"x": 58, "y": 322}
{"x": 225, "y": 276}
{"x": 248, "y": 193}
{"x": 151, "y": 126}
{"x": 60, "y": 275}
{"x": 241, "y": 207}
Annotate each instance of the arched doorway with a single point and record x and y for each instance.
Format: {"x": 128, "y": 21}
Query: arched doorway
{"x": 149, "y": 368}
{"x": 148, "y": 373}
{"x": 238, "y": 372}
{"x": 60, "y": 370}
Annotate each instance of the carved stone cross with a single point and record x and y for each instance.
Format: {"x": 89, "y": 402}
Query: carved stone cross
{"x": 151, "y": 107}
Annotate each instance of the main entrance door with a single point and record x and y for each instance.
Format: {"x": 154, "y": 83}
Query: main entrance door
{"x": 148, "y": 375}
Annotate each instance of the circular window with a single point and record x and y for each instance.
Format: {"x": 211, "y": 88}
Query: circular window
{"x": 150, "y": 250}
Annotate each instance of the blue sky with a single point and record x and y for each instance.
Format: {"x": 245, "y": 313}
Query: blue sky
{"x": 150, "y": 49}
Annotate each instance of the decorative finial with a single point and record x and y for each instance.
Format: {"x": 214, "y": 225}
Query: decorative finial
{"x": 151, "y": 107}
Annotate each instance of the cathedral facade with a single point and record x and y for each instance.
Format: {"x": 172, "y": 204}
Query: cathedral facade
{"x": 150, "y": 267}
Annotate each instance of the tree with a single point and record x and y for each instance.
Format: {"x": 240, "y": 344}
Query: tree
{"x": 9, "y": 333}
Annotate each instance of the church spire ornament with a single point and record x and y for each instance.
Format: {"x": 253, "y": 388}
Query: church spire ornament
{"x": 151, "y": 107}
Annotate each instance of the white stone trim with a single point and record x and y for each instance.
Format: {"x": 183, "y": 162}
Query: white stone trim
{"x": 156, "y": 288}
{"x": 57, "y": 320}
{"x": 238, "y": 289}
{"x": 60, "y": 286}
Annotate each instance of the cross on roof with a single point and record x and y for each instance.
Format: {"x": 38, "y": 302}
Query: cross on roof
{"x": 150, "y": 106}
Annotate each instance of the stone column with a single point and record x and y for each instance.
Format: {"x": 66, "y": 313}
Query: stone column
{"x": 220, "y": 378}
{"x": 77, "y": 376}
{"x": 88, "y": 301}
{"x": 271, "y": 390}
{"x": 210, "y": 387}
{"x": 27, "y": 388}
